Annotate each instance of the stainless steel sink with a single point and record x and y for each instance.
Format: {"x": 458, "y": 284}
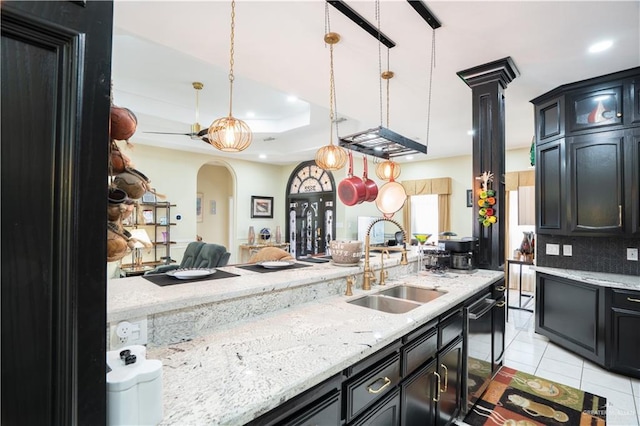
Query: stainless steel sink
{"x": 417, "y": 294}
{"x": 385, "y": 303}
{"x": 398, "y": 299}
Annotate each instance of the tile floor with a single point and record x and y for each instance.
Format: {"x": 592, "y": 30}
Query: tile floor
{"x": 534, "y": 354}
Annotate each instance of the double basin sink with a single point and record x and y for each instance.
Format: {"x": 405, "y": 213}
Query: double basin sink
{"x": 399, "y": 299}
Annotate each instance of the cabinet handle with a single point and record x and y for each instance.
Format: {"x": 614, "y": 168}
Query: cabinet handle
{"x": 631, "y": 299}
{"x": 437, "y": 397}
{"x": 446, "y": 377}
{"x": 501, "y": 304}
{"x": 619, "y": 215}
{"x": 387, "y": 382}
{"x": 501, "y": 288}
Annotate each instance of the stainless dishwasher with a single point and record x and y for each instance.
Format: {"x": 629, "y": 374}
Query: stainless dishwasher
{"x": 479, "y": 344}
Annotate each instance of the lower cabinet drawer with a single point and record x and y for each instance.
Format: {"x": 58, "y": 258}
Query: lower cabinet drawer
{"x": 626, "y": 299}
{"x": 451, "y": 328}
{"x": 416, "y": 353}
{"x": 364, "y": 390}
{"x": 323, "y": 412}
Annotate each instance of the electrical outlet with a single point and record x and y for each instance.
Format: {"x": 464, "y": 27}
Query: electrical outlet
{"x": 567, "y": 250}
{"x": 632, "y": 254}
{"x": 553, "y": 249}
{"x": 131, "y": 332}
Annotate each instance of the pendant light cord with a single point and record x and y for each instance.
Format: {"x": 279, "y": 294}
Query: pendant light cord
{"x": 333, "y": 102}
{"x": 433, "y": 65}
{"x": 377, "y": 4}
{"x": 231, "y": 51}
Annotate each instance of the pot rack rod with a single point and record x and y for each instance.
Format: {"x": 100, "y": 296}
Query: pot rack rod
{"x": 354, "y": 16}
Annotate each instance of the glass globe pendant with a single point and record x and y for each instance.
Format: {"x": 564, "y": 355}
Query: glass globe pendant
{"x": 386, "y": 169}
{"x": 331, "y": 157}
{"x": 230, "y": 134}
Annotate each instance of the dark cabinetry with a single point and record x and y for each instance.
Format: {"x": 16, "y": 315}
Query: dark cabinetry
{"x": 550, "y": 196}
{"x": 571, "y": 312}
{"x": 595, "y": 168}
{"x": 586, "y": 164}
{"x": 418, "y": 379}
{"x": 598, "y": 323}
{"x": 624, "y": 343}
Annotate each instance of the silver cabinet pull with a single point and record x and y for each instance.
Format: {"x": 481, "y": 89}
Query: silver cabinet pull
{"x": 619, "y": 215}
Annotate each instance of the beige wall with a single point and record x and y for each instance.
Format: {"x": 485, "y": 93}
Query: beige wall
{"x": 180, "y": 175}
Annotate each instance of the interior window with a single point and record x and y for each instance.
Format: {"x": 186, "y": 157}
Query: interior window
{"x": 424, "y": 215}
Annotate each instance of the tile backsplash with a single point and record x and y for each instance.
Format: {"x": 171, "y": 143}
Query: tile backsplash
{"x": 596, "y": 254}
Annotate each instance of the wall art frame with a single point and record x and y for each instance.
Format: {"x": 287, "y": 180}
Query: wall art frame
{"x": 261, "y": 207}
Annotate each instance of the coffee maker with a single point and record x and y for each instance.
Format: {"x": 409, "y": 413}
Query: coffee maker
{"x": 464, "y": 254}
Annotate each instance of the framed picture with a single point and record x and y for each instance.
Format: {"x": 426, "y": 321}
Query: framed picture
{"x": 469, "y": 197}
{"x": 199, "y": 201}
{"x": 149, "y": 197}
{"x": 261, "y": 207}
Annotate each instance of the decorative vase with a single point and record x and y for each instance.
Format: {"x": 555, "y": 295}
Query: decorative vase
{"x": 278, "y": 235}
{"x": 252, "y": 236}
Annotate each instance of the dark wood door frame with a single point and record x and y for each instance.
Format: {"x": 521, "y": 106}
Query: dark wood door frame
{"x": 56, "y": 77}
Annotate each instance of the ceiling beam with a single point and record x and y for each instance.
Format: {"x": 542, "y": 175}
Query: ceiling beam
{"x": 363, "y": 23}
{"x": 426, "y": 14}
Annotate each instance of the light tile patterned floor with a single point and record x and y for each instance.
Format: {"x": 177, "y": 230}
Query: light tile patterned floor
{"x": 534, "y": 354}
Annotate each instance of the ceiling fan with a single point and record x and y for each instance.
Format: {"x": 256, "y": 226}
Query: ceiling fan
{"x": 196, "y": 130}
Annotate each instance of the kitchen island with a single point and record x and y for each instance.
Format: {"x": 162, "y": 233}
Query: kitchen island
{"x": 236, "y": 371}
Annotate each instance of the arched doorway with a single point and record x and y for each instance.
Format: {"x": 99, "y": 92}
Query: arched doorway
{"x": 311, "y": 204}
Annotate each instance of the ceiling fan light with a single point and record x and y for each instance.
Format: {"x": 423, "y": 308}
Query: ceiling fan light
{"x": 230, "y": 134}
{"x": 385, "y": 169}
{"x": 331, "y": 157}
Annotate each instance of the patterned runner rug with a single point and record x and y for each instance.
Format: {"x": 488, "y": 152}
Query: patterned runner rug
{"x": 515, "y": 398}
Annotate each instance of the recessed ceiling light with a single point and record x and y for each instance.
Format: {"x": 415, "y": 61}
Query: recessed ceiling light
{"x": 409, "y": 157}
{"x": 377, "y": 148}
{"x": 262, "y": 156}
{"x": 600, "y": 46}
{"x": 251, "y": 114}
{"x": 292, "y": 98}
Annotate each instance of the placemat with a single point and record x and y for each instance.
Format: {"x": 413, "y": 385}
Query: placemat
{"x": 314, "y": 259}
{"x": 164, "y": 280}
{"x": 262, "y": 270}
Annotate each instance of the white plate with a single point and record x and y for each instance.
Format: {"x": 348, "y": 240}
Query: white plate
{"x": 186, "y": 274}
{"x": 276, "y": 264}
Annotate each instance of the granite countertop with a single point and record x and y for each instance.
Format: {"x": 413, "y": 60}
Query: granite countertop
{"x": 630, "y": 282}
{"x": 247, "y": 368}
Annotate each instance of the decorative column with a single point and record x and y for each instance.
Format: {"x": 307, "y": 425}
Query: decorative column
{"x": 487, "y": 83}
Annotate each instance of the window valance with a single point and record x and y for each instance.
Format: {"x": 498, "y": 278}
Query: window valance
{"x": 440, "y": 186}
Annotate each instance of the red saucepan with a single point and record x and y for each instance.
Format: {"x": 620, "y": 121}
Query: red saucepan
{"x": 370, "y": 186}
{"x": 351, "y": 189}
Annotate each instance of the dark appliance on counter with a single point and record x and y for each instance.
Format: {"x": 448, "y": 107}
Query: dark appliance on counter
{"x": 436, "y": 260}
{"x": 464, "y": 254}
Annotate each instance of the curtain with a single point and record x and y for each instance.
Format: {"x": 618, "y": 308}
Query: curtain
{"x": 439, "y": 186}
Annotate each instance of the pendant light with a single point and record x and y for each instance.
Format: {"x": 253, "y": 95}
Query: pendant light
{"x": 230, "y": 134}
{"x": 331, "y": 157}
{"x": 392, "y": 195}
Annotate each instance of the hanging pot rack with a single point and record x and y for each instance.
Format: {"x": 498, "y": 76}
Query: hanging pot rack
{"x": 381, "y": 142}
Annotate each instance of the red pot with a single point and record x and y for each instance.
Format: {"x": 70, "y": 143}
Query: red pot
{"x": 351, "y": 189}
{"x": 370, "y": 186}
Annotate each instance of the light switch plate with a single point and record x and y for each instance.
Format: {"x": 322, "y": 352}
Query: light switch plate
{"x": 567, "y": 250}
{"x": 632, "y": 254}
{"x": 553, "y": 249}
